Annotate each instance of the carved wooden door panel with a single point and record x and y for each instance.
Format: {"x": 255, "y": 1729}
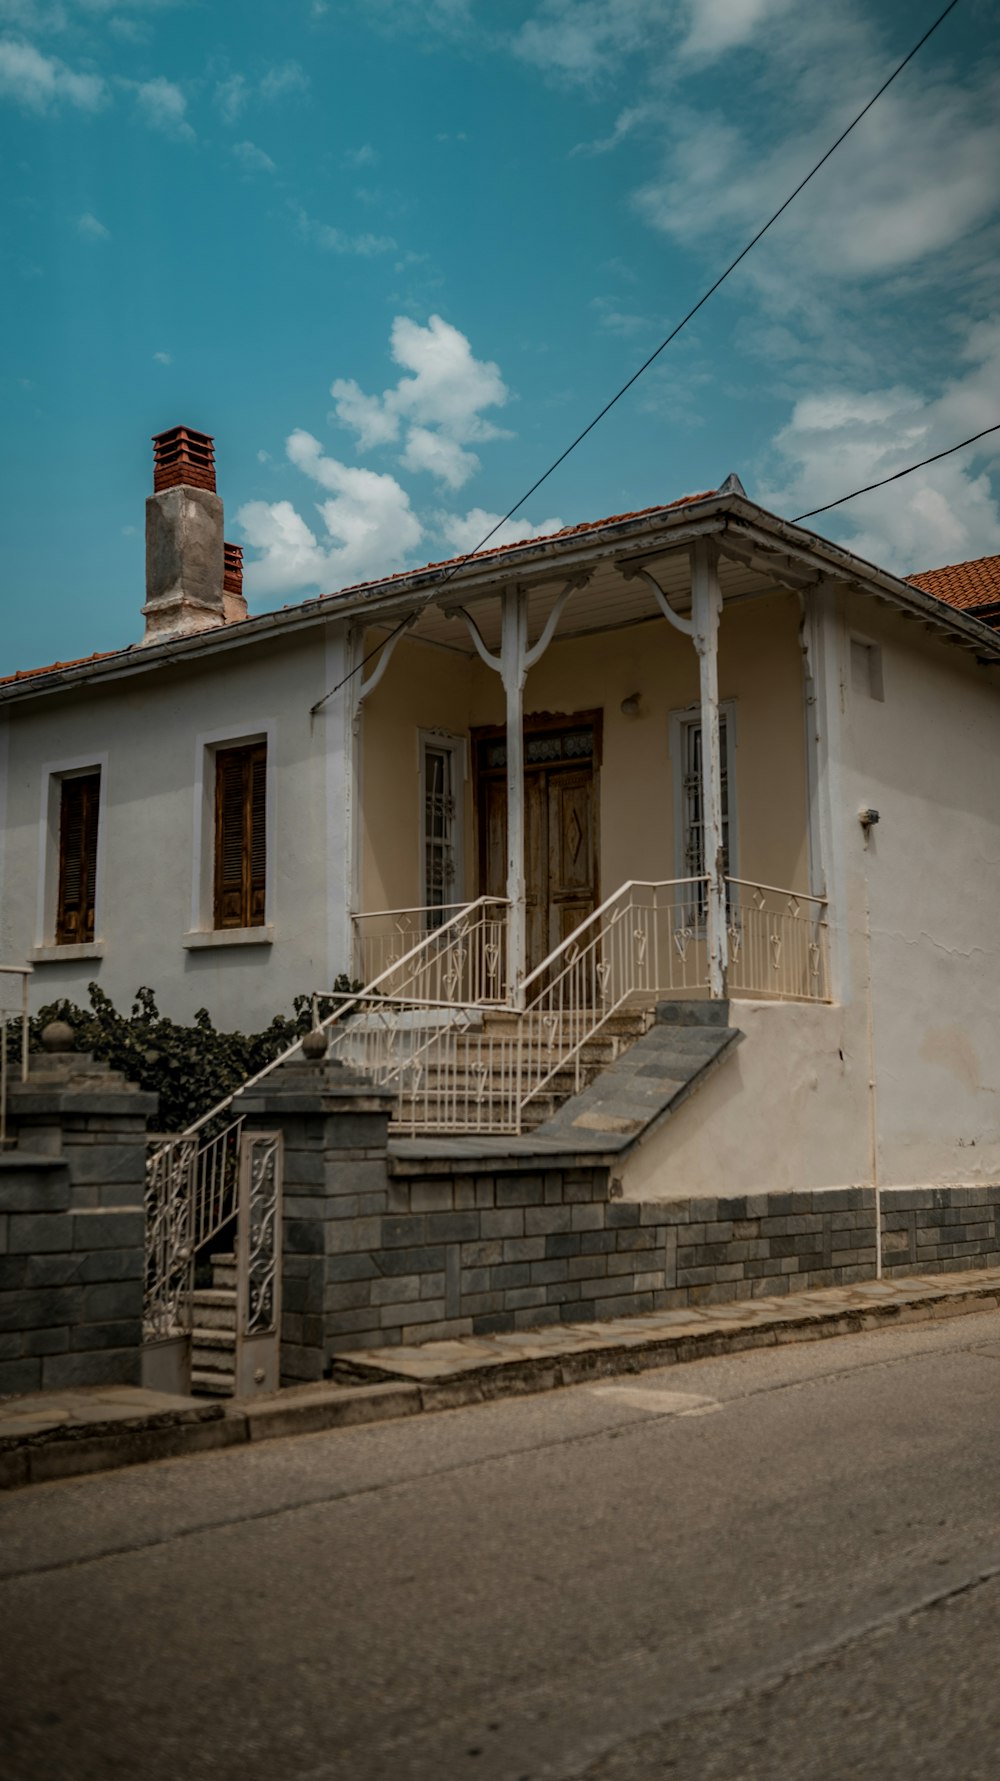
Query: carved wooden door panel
{"x": 572, "y": 866}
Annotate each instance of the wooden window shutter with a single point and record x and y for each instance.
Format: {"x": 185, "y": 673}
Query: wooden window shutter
{"x": 78, "y": 811}
{"x": 240, "y": 836}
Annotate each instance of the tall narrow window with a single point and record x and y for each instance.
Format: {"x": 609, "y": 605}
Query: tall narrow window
{"x": 440, "y": 824}
{"x": 240, "y": 836}
{"x": 693, "y": 814}
{"x": 78, "y": 807}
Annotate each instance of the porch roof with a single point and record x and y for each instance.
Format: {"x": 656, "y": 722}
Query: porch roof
{"x": 758, "y": 550}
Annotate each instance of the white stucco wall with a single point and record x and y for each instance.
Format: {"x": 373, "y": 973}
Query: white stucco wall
{"x": 149, "y": 731}
{"x": 792, "y": 1107}
{"x": 925, "y": 757}
{"x": 786, "y": 1110}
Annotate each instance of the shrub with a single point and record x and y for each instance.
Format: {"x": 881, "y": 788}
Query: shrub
{"x": 189, "y": 1067}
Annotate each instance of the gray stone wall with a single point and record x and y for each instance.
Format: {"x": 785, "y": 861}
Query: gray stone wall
{"x": 72, "y": 1228}
{"x": 935, "y": 1230}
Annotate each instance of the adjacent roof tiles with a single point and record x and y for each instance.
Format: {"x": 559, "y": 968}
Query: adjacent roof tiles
{"x": 966, "y": 586}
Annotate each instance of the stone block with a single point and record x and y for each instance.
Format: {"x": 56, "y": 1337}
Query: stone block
{"x": 525, "y": 1298}
{"x": 32, "y": 1233}
{"x": 33, "y": 1190}
{"x": 546, "y": 1273}
{"x": 347, "y": 1267}
{"x": 493, "y": 1323}
{"x": 586, "y": 1267}
{"x": 397, "y": 1289}
{"x": 482, "y": 1254}
{"x": 412, "y": 1261}
{"x": 453, "y": 1227}
{"x": 427, "y": 1311}
{"x": 597, "y": 1242}
{"x": 32, "y": 1310}
{"x": 621, "y": 1213}
{"x": 110, "y": 1367}
{"x": 112, "y": 1300}
{"x": 507, "y": 1221}
{"x": 486, "y": 1191}
{"x": 398, "y": 1233}
{"x": 348, "y": 1295}
{"x": 53, "y": 1340}
{"x": 519, "y": 1190}
{"x": 539, "y": 1319}
{"x": 122, "y": 1334}
{"x": 510, "y": 1274}
{"x": 636, "y": 1237}
{"x": 474, "y": 1280}
{"x": 21, "y": 1375}
{"x": 541, "y": 1220}
{"x": 433, "y": 1286}
{"x": 344, "y": 1236}
{"x": 432, "y": 1196}
{"x": 562, "y": 1243}
{"x": 449, "y": 1329}
{"x": 587, "y": 1217}
{"x": 108, "y": 1228}
{"x": 524, "y": 1249}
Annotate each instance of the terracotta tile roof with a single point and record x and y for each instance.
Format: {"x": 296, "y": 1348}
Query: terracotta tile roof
{"x": 967, "y": 586}
{"x": 99, "y": 655}
{"x": 497, "y": 550}
{"x": 591, "y": 525}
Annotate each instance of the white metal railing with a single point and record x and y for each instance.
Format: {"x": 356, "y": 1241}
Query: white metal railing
{"x": 450, "y": 955}
{"x": 382, "y": 936}
{"x": 13, "y": 1046}
{"x": 778, "y": 943}
{"x": 192, "y": 1193}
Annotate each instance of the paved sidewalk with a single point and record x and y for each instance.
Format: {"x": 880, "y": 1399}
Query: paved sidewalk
{"x": 52, "y": 1435}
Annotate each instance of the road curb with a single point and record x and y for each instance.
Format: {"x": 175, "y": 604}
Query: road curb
{"x": 103, "y": 1447}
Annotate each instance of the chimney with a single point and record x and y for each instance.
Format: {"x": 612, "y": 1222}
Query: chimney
{"x": 234, "y": 605}
{"x": 185, "y": 573}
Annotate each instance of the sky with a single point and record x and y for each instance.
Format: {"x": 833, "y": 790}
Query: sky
{"x": 394, "y": 255}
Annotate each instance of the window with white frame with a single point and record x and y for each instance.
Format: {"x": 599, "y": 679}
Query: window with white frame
{"x": 689, "y": 812}
{"x": 441, "y": 779}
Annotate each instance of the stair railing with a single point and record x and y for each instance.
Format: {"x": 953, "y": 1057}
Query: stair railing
{"x": 644, "y": 942}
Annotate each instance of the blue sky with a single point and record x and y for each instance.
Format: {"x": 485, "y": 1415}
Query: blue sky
{"x": 394, "y": 255}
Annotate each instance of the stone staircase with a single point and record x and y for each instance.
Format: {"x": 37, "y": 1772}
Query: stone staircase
{"x": 480, "y": 1074}
{"x": 213, "y": 1335}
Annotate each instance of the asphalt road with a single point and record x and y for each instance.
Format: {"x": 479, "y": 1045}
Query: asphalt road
{"x": 781, "y": 1565}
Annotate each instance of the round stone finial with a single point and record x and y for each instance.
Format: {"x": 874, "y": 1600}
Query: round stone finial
{"x": 58, "y": 1036}
{"x": 314, "y": 1045}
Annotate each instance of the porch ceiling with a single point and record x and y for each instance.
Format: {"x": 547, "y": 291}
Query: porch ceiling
{"x": 608, "y": 602}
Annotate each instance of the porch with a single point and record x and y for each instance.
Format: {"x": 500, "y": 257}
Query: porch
{"x": 652, "y": 741}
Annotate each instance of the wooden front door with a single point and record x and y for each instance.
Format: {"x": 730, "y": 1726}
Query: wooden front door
{"x": 560, "y": 820}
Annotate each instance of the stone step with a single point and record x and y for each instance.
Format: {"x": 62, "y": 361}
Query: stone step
{"x": 210, "y": 1346}
{"x": 224, "y": 1273}
{"x": 211, "y": 1385}
{"x": 214, "y": 1308}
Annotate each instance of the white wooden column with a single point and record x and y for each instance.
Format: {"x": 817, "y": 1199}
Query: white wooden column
{"x": 514, "y": 671}
{"x": 706, "y": 607}
{"x": 512, "y": 665}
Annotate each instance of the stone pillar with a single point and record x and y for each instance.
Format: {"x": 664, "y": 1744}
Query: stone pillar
{"x": 335, "y": 1196}
{"x": 72, "y": 1195}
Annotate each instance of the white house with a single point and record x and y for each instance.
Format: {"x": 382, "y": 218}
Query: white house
{"x": 691, "y": 752}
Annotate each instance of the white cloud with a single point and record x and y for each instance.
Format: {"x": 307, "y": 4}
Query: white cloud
{"x": 440, "y": 403}
{"x": 91, "y": 228}
{"x": 841, "y": 439}
{"x": 365, "y": 156}
{"x": 715, "y": 26}
{"x": 338, "y": 241}
{"x": 368, "y": 527}
{"x": 163, "y": 107}
{"x": 41, "y": 83}
{"x": 441, "y": 456}
{"x": 464, "y": 532}
{"x": 231, "y": 96}
{"x": 162, "y": 358}
{"x": 583, "y": 41}
{"x": 252, "y": 159}
{"x": 287, "y": 77}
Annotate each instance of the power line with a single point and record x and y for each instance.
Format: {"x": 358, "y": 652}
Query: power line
{"x": 692, "y": 312}
{"x": 896, "y": 475}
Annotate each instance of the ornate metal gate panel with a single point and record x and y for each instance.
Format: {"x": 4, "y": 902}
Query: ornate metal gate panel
{"x": 258, "y": 1265}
